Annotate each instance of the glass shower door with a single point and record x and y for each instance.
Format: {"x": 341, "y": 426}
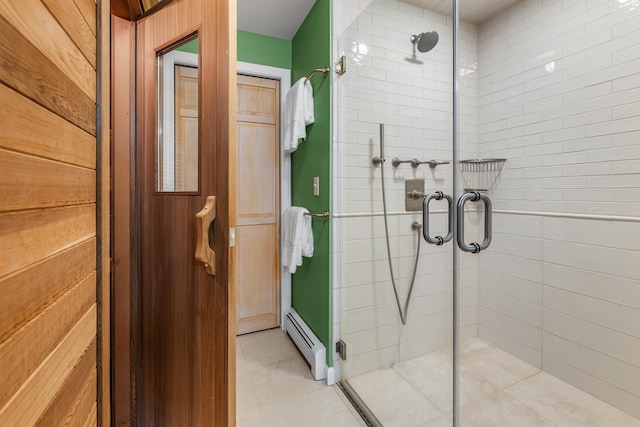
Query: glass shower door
{"x": 543, "y": 303}
{"x": 393, "y": 145}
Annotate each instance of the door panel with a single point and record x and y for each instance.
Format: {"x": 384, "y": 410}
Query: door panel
{"x": 258, "y": 201}
{"x": 183, "y": 350}
{"x": 257, "y": 294}
{"x": 258, "y": 174}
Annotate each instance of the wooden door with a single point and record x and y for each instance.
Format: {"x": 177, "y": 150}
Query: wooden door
{"x": 53, "y": 250}
{"x": 183, "y": 353}
{"x": 258, "y": 202}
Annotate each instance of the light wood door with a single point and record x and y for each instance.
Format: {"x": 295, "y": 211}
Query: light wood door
{"x": 186, "y": 111}
{"x": 258, "y": 227}
{"x": 183, "y": 355}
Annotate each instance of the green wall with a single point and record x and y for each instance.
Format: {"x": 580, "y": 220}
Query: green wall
{"x": 191, "y": 47}
{"x": 256, "y": 49}
{"x": 264, "y": 50}
{"x": 311, "y": 284}
{"x": 310, "y": 48}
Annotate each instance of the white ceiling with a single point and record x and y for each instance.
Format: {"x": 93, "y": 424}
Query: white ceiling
{"x": 282, "y": 18}
{"x": 473, "y": 11}
{"x": 275, "y": 18}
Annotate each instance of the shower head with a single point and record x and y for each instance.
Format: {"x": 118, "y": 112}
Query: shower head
{"x": 425, "y": 41}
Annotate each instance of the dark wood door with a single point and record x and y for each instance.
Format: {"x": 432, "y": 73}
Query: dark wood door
{"x": 183, "y": 329}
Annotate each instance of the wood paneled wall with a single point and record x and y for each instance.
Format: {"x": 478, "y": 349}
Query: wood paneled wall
{"x": 50, "y": 264}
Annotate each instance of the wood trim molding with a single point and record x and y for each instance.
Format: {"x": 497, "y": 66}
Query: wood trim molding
{"x": 133, "y": 10}
{"x": 103, "y": 230}
{"x": 232, "y": 202}
{"x": 126, "y": 9}
{"x": 124, "y": 235}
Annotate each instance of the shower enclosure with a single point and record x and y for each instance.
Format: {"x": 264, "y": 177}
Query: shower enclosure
{"x": 534, "y": 105}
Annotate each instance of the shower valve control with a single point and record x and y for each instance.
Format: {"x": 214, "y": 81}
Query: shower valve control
{"x": 414, "y": 194}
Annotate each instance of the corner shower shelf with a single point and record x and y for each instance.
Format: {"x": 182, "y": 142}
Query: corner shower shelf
{"x": 481, "y": 165}
{"x": 480, "y": 173}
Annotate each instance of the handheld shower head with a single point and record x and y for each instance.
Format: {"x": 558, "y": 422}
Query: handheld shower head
{"x": 425, "y": 41}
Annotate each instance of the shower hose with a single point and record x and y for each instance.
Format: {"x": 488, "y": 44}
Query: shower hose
{"x": 415, "y": 226}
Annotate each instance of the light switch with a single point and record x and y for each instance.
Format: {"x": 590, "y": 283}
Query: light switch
{"x": 316, "y": 185}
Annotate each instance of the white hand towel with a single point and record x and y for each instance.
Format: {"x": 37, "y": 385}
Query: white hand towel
{"x": 298, "y": 113}
{"x": 297, "y": 236}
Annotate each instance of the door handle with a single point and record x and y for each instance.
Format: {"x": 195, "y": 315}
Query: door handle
{"x": 474, "y": 247}
{"x": 437, "y": 240}
{"x": 204, "y": 253}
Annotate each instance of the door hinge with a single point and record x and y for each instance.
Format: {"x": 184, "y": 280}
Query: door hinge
{"x": 341, "y": 349}
{"x": 232, "y": 237}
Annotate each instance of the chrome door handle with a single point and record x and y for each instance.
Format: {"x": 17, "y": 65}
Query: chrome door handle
{"x": 437, "y": 240}
{"x": 474, "y": 247}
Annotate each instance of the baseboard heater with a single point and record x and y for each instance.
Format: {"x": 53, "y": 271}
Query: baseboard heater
{"x": 310, "y": 346}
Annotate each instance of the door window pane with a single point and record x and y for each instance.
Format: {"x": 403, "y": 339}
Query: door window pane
{"x": 178, "y": 125}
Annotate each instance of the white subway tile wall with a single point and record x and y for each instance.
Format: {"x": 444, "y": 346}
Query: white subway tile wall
{"x": 552, "y": 86}
{"x": 557, "y": 85}
{"x": 558, "y": 88}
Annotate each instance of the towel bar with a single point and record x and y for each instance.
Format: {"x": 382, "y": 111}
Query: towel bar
{"x": 324, "y": 70}
{"x": 326, "y": 215}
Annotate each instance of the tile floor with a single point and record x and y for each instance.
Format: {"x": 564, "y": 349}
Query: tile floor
{"x": 275, "y": 387}
{"x": 497, "y": 389}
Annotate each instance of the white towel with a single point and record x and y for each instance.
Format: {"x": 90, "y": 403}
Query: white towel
{"x": 298, "y": 114}
{"x": 309, "y": 113}
{"x": 298, "y": 237}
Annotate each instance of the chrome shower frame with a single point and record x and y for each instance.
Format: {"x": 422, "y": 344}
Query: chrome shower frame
{"x": 456, "y": 191}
